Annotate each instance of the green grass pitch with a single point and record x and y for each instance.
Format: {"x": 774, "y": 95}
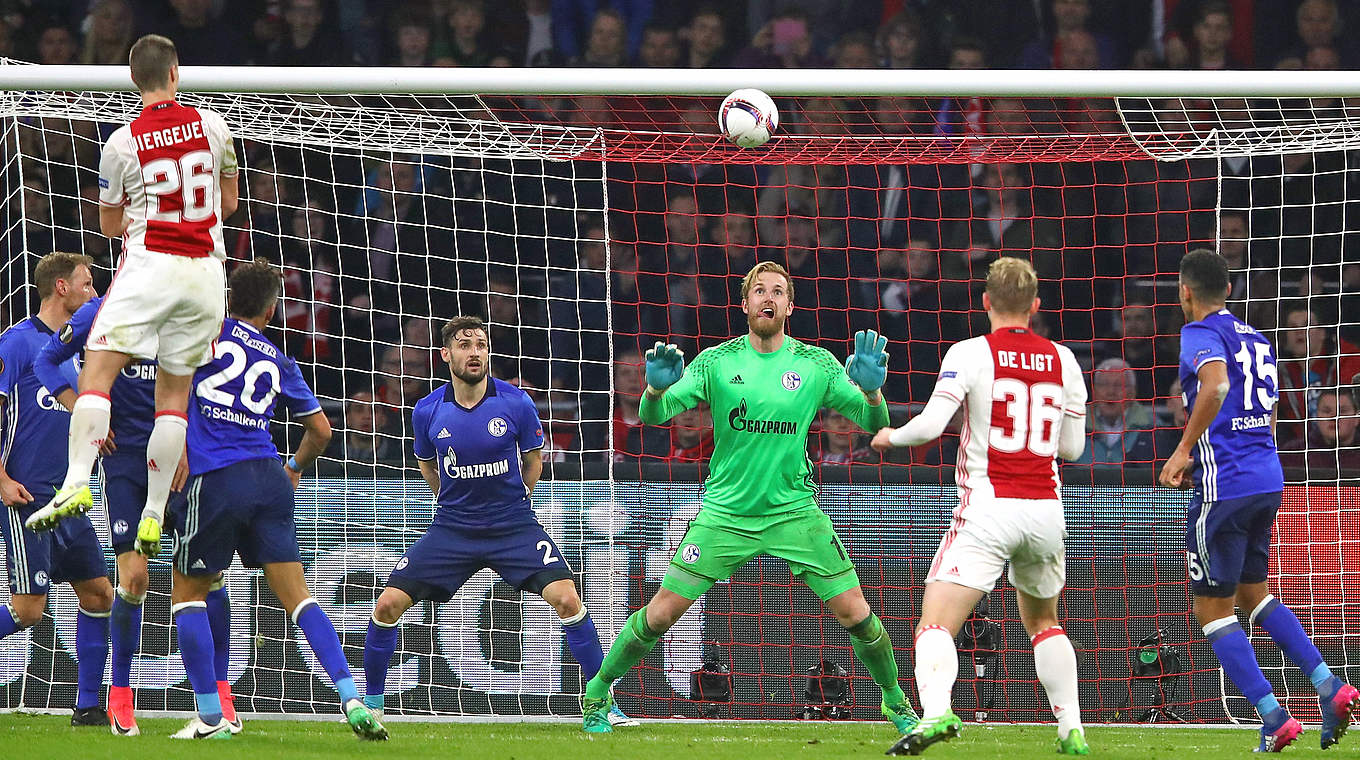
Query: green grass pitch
{"x": 51, "y": 737}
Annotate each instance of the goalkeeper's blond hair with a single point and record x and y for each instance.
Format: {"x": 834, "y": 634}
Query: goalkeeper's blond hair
{"x": 761, "y": 268}
{"x": 1012, "y": 285}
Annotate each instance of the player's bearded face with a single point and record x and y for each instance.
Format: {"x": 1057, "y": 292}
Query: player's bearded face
{"x": 767, "y": 305}
{"x": 469, "y": 356}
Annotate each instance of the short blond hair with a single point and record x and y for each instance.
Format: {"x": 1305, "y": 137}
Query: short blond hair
{"x": 1012, "y": 285}
{"x": 762, "y": 268}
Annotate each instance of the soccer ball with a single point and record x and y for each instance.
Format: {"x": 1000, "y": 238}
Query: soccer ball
{"x": 748, "y": 117}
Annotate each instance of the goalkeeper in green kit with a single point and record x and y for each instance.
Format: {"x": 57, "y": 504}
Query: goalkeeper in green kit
{"x": 763, "y": 389}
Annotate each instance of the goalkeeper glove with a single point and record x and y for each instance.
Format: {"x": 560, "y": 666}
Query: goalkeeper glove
{"x": 867, "y": 367}
{"x": 665, "y": 365}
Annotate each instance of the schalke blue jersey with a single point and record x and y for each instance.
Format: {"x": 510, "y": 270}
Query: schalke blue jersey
{"x": 33, "y": 437}
{"x": 478, "y": 452}
{"x": 133, "y": 396}
{"x": 1236, "y": 456}
{"x": 234, "y": 399}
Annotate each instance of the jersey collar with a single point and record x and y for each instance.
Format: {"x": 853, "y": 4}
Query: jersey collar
{"x": 159, "y": 105}
{"x": 490, "y": 391}
{"x": 40, "y": 325}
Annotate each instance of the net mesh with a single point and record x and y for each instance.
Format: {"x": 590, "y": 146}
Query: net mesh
{"x": 586, "y": 228}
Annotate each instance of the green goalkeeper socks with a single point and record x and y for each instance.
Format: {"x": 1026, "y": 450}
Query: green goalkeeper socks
{"x": 874, "y": 649}
{"x": 633, "y": 644}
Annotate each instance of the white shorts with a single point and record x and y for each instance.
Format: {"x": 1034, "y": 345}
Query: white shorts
{"x": 163, "y": 307}
{"x": 1027, "y": 532}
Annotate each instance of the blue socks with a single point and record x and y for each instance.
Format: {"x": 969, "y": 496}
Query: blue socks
{"x": 325, "y": 644}
{"x": 1284, "y": 629}
{"x": 125, "y": 633}
{"x": 92, "y": 654}
{"x": 1234, "y": 652}
{"x": 379, "y": 645}
{"x": 584, "y": 643}
{"x": 9, "y": 623}
{"x": 219, "y": 619}
{"x": 196, "y": 647}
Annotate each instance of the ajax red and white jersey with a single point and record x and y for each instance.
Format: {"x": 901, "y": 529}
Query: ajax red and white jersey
{"x": 1018, "y": 389}
{"x": 164, "y": 168}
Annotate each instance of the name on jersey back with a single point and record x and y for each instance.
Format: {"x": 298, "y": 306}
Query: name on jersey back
{"x": 1030, "y": 362}
{"x": 164, "y": 138}
{"x": 254, "y": 341}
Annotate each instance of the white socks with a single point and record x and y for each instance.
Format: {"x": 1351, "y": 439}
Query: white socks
{"x": 937, "y": 667}
{"x": 1056, "y": 663}
{"x": 163, "y": 451}
{"x": 89, "y": 428}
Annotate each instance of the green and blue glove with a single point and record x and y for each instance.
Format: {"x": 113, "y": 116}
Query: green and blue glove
{"x": 867, "y": 367}
{"x": 665, "y": 365}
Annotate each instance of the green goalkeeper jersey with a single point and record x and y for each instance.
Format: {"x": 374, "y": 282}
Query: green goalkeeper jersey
{"x": 763, "y": 406}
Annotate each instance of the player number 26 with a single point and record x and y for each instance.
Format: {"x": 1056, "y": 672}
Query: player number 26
{"x": 185, "y": 190}
{"x": 1035, "y": 412}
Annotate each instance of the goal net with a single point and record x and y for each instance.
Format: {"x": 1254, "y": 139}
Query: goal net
{"x": 586, "y": 227}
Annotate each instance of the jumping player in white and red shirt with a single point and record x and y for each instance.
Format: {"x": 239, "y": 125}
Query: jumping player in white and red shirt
{"x": 166, "y": 182}
{"x": 1026, "y": 406}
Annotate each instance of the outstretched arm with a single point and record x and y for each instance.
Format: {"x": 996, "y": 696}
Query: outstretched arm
{"x": 856, "y": 392}
{"x": 923, "y": 428}
{"x": 670, "y": 389}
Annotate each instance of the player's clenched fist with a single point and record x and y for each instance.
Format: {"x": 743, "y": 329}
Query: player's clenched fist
{"x": 867, "y": 367}
{"x": 665, "y": 364}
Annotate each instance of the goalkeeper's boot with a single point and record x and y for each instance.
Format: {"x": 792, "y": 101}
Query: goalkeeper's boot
{"x": 375, "y": 704}
{"x": 595, "y": 715}
{"x": 929, "y": 731}
{"x": 84, "y": 717}
{"x": 122, "y": 722}
{"x": 1074, "y": 744}
{"x": 69, "y": 502}
{"x": 1336, "y": 713}
{"x": 148, "y": 543}
{"x": 362, "y": 720}
{"x": 617, "y": 717}
{"x": 197, "y": 729}
{"x": 224, "y": 696}
{"x": 1278, "y": 730}
{"x": 903, "y": 718}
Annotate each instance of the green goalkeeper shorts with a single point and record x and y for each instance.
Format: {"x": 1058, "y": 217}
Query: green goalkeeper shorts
{"x": 715, "y": 547}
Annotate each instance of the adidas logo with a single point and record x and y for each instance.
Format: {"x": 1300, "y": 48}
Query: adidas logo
{"x": 152, "y": 466}
{"x": 198, "y": 565}
{"x": 736, "y": 380}
{"x": 443, "y": 433}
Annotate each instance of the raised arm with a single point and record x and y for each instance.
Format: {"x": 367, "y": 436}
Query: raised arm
{"x": 855, "y": 392}
{"x": 670, "y": 389}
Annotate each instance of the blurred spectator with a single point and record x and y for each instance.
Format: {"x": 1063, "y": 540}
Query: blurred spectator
{"x": 56, "y": 44}
{"x": 538, "y": 33}
{"x": 899, "y": 41}
{"x": 691, "y": 435}
{"x": 1155, "y": 362}
{"x": 1120, "y": 426}
{"x": 571, "y": 17}
{"x": 1001, "y": 217}
{"x": 854, "y": 51}
{"x": 200, "y": 38}
{"x": 411, "y": 43}
{"x": 841, "y": 441}
{"x": 1311, "y": 357}
{"x": 1210, "y": 43}
{"x": 368, "y": 439}
{"x": 705, "y": 38}
{"x": 1318, "y": 27}
{"x": 404, "y": 377}
{"x": 1330, "y": 443}
{"x": 607, "y": 45}
{"x": 308, "y": 37}
{"x": 462, "y": 41}
{"x": 908, "y": 301}
{"x": 660, "y": 47}
{"x": 1070, "y": 44}
{"x": 632, "y": 439}
{"x": 784, "y": 41}
{"x": 311, "y": 283}
{"x": 110, "y": 33}
{"x": 826, "y": 19}
{"x": 1171, "y": 421}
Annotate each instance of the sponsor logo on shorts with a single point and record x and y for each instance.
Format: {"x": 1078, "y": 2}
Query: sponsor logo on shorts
{"x": 791, "y": 381}
{"x": 198, "y": 565}
{"x": 40, "y": 578}
{"x": 401, "y": 565}
{"x": 690, "y": 554}
{"x": 120, "y": 527}
{"x": 496, "y": 426}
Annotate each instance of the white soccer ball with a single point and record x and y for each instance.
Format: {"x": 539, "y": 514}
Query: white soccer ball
{"x": 748, "y": 117}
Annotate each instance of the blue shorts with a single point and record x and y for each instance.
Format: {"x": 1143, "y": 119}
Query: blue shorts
{"x": 69, "y": 553}
{"x": 442, "y": 560}
{"x": 244, "y": 508}
{"x": 122, "y": 480}
{"x": 1227, "y": 542}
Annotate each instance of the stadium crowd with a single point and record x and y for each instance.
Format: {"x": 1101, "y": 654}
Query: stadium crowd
{"x": 377, "y": 252}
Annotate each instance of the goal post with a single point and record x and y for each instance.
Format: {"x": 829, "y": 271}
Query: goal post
{"x": 586, "y": 213}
